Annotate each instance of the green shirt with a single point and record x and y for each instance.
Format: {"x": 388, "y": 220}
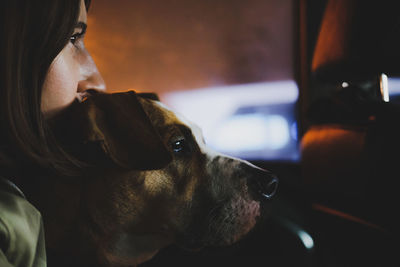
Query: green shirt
{"x": 21, "y": 229}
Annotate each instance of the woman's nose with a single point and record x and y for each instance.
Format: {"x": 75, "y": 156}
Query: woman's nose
{"x": 91, "y": 78}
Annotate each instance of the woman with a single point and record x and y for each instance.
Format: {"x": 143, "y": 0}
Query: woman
{"x": 44, "y": 67}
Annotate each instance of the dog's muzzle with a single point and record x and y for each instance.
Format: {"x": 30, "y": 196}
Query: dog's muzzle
{"x": 263, "y": 184}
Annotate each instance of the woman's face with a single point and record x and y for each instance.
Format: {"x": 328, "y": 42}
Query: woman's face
{"x": 71, "y": 73}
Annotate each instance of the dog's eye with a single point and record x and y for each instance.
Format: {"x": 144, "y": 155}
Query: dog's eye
{"x": 179, "y": 146}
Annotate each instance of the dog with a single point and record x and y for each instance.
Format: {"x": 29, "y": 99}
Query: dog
{"x": 148, "y": 181}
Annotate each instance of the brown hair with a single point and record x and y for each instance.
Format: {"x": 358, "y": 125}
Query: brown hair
{"x": 32, "y": 35}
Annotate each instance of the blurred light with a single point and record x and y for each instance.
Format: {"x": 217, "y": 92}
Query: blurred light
{"x": 293, "y": 131}
{"x": 307, "y": 240}
{"x": 384, "y": 87}
{"x": 345, "y": 84}
{"x": 251, "y": 132}
{"x": 209, "y": 106}
{"x": 299, "y": 232}
{"x": 393, "y": 85}
{"x": 346, "y": 216}
{"x": 251, "y": 121}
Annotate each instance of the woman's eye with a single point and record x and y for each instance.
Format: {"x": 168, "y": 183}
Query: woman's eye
{"x": 79, "y": 32}
{"x": 75, "y": 37}
{"x": 179, "y": 146}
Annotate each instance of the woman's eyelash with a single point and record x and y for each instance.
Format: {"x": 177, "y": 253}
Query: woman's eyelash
{"x": 75, "y": 37}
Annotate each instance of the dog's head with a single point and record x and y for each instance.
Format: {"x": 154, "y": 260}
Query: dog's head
{"x": 155, "y": 181}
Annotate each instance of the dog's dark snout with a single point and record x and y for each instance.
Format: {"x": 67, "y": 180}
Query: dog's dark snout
{"x": 264, "y": 184}
{"x": 268, "y": 189}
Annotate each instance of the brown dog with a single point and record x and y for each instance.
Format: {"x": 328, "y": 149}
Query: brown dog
{"x": 150, "y": 181}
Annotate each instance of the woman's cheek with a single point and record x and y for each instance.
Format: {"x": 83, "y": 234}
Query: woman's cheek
{"x": 61, "y": 83}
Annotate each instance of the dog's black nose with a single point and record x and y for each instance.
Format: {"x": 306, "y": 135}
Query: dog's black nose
{"x": 268, "y": 187}
{"x": 264, "y": 183}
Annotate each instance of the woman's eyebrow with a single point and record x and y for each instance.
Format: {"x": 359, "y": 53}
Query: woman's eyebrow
{"x": 81, "y": 25}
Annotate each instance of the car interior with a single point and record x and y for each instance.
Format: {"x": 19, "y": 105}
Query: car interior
{"x": 338, "y": 198}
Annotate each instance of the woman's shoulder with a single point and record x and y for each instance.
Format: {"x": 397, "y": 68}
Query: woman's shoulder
{"x": 21, "y": 228}
{"x": 14, "y": 206}
{"x": 9, "y": 187}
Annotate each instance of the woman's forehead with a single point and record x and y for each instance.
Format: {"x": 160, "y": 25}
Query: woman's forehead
{"x": 82, "y": 12}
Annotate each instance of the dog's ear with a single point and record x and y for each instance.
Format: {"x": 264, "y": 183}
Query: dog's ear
{"x": 118, "y": 124}
{"x": 151, "y": 96}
